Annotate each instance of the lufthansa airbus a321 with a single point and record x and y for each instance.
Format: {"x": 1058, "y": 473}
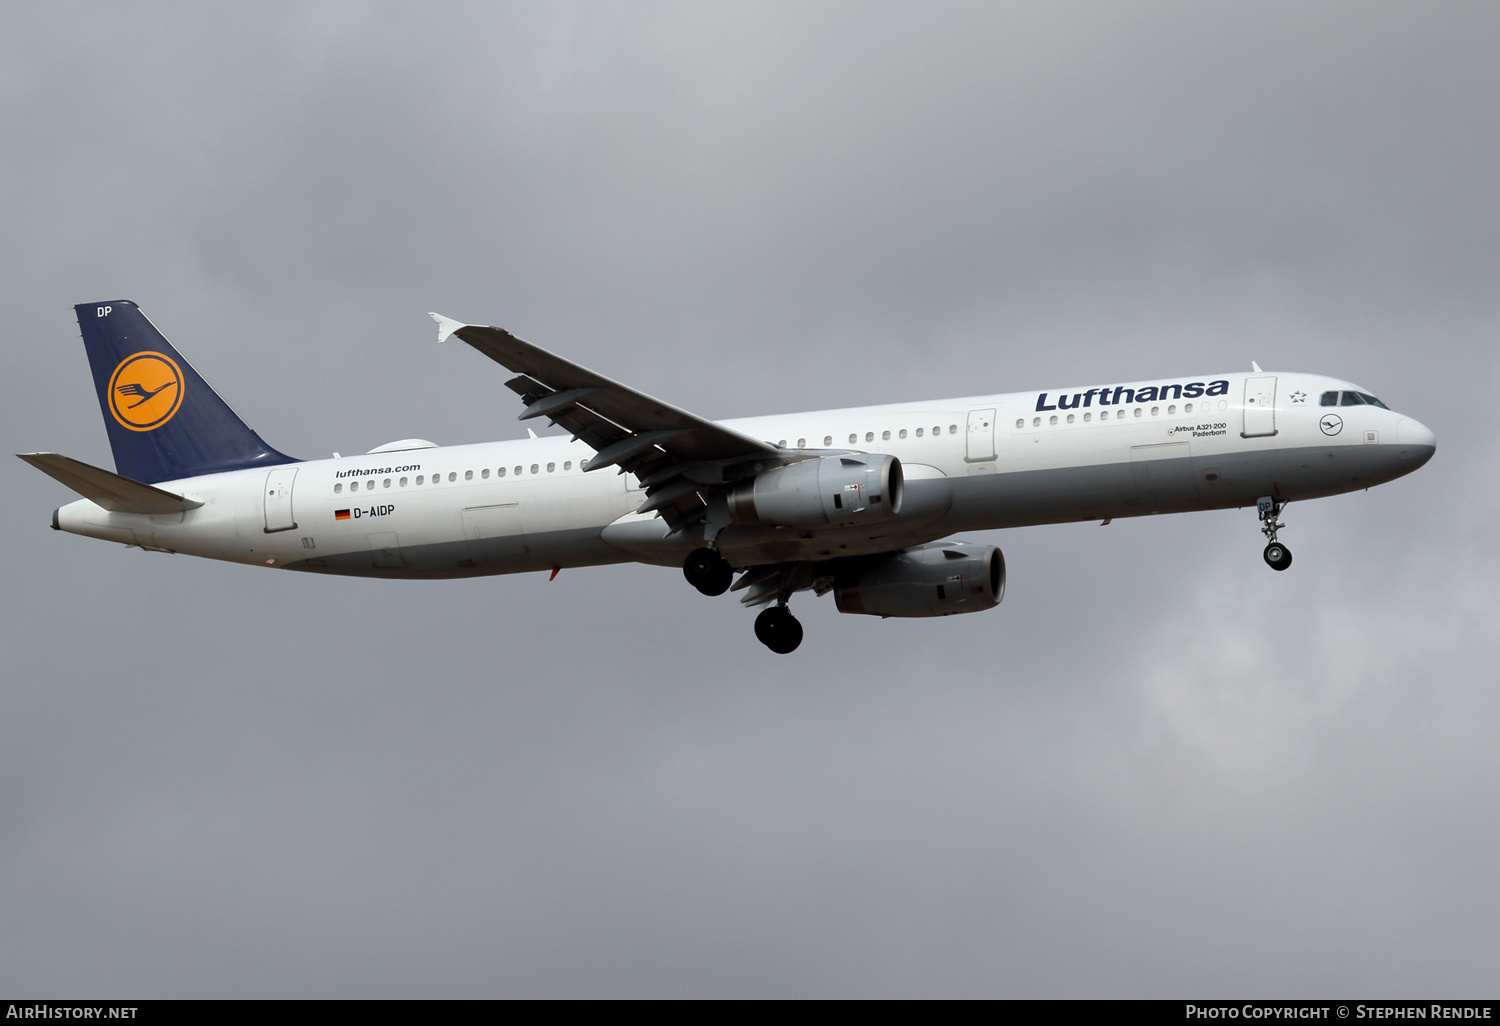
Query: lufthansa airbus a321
{"x": 858, "y": 502}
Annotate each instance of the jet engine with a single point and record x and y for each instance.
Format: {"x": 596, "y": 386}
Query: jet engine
{"x": 832, "y": 491}
{"x": 934, "y": 580}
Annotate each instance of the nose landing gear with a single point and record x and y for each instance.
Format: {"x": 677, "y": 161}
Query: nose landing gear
{"x": 1277, "y": 555}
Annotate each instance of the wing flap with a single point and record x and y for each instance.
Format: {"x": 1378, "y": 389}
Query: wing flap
{"x": 624, "y": 408}
{"x": 640, "y": 434}
{"x": 107, "y": 489}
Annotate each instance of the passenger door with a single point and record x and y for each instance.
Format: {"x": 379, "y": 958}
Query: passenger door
{"x": 1260, "y": 407}
{"x": 981, "y": 442}
{"x": 278, "y": 504}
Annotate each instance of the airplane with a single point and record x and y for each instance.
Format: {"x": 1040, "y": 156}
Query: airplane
{"x": 860, "y": 502}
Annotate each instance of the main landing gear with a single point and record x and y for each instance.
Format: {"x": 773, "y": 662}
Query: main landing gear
{"x": 778, "y": 629}
{"x": 775, "y": 627}
{"x": 708, "y": 571}
{"x": 1277, "y": 555}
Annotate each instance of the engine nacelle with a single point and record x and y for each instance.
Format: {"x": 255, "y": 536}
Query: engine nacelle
{"x": 832, "y": 491}
{"x": 936, "y": 580}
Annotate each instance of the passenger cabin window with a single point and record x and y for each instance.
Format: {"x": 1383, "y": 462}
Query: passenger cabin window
{"x": 801, "y": 444}
{"x": 919, "y": 432}
{"x": 468, "y": 475}
{"x": 827, "y": 440}
{"x": 853, "y": 439}
{"x": 903, "y": 432}
{"x": 869, "y": 436}
{"x": 551, "y": 467}
{"x": 485, "y": 473}
{"x": 403, "y": 482}
{"x": 452, "y": 475}
{"x": 535, "y": 467}
{"x": 337, "y": 488}
{"x": 568, "y": 465}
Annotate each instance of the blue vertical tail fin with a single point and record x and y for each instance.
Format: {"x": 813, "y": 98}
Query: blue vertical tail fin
{"x": 163, "y": 419}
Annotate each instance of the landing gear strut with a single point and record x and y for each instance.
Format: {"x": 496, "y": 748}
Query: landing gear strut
{"x": 778, "y": 629}
{"x": 1277, "y": 555}
{"x": 708, "y": 571}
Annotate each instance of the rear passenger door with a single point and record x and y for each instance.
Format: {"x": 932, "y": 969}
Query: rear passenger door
{"x": 278, "y": 499}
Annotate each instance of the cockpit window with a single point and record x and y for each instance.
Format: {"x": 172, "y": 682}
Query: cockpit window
{"x": 1329, "y": 399}
{"x": 1352, "y": 399}
{"x": 1373, "y": 401}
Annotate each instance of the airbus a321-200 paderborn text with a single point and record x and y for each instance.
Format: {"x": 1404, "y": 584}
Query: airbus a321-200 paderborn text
{"x": 859, "y": 502}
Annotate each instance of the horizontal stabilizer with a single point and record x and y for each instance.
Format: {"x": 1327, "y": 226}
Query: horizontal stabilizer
{"x": 115, "y": 493}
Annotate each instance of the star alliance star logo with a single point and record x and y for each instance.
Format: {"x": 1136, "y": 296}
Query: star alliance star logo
{"x": 1299, "y": 396}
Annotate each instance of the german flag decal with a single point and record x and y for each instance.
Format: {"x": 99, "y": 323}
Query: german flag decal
{"x": 341, "y": 514}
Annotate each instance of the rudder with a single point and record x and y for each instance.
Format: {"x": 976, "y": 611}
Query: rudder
{"x": 164, "y": 421}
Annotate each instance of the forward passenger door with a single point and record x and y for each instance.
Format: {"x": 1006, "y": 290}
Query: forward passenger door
{"x": 1260, "y": 407}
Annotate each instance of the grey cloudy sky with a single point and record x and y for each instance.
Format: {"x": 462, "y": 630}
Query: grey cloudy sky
{"x": 1157, "y": 769}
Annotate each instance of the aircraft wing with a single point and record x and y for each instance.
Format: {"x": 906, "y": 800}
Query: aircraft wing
{"x": 671, "y": 451}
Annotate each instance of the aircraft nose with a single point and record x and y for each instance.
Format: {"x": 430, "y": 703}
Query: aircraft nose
{"x": 1416, "y": 440}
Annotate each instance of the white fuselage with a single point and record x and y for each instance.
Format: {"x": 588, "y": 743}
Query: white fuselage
{"x": 970, "y": 464}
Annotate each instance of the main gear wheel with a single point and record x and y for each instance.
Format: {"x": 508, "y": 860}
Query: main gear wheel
{"x": 778, "y": 630}
{"x": 708, "y": 571}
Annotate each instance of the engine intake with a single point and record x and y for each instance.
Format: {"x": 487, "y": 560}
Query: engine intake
{"x": 936, "y": 580}
{"x": 832, "y": 491}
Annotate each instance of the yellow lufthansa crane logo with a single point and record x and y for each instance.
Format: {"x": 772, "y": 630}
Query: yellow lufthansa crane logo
{"x": 145, "y": 391}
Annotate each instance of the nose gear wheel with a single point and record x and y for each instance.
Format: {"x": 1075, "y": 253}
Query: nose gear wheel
{"x": 1277, "y": 555}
